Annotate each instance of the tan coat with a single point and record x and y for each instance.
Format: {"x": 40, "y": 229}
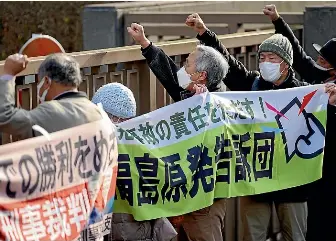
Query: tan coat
{"x": 69, "y": 110}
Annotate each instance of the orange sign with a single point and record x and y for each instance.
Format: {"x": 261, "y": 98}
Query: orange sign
{"x": 41, "y": 45}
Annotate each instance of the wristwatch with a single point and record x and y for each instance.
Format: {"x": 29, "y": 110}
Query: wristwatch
{"x": 6, "y": 77}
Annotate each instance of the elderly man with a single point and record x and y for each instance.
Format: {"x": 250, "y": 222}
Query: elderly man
{"x": 62, "y": 105}
{"x": 119, "y": 103}
{"x": 204, "y": 66}
{"x": 275, "y": 61}
{"x": 321, "y": 196}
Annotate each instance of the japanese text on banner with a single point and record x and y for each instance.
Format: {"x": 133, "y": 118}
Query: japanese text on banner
{"x": 179, "y": 158}
{"x": 61, "y": 189}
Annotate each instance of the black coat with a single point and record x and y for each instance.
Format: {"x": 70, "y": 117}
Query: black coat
{"x": 240, "y": 79}
{"x": 305, "y": 66}
{"x": 165, "y": 71}
{"x": 321, "y": 203}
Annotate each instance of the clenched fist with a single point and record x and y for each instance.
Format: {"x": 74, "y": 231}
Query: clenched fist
{"x": 194, "y": 21}
{"x": 271, "y": 12}
{"x": 138, "y": 34}
{"x": 15, "y": 63}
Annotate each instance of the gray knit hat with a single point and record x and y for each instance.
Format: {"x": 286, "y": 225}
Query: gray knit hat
{"x": 279, "y": 45}
{"x": 116, "y": 99}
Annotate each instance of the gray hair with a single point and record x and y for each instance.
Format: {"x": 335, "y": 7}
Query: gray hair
{"x": 211, "y": 61}
{"x": 61, "y": 68}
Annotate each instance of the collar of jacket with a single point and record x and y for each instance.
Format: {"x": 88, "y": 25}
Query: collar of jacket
{"x": 332, "y": 79}
{"x": 71, "y": 94}
{"x": 288, "y": 82}
{"x": 220, "y": 87}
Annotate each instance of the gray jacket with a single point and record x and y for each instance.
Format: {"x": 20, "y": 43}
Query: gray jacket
{"x": 66, "y": 111}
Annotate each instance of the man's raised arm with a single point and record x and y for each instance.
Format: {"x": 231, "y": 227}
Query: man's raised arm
{"x": 161, "y": 64}
{"x": 302, "y": 63}
{"x": 238, "y": 77}
{"x": 13, "y": 120}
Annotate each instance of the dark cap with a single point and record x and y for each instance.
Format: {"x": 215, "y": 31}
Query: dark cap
{"x": 328, "y": 51}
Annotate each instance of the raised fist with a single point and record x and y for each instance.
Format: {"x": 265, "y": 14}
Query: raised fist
{"x": 15, "y": 63}
{"x": 271, "y": 12}
{"x": 138, "y": 34}
{"x": 194, "y": 21}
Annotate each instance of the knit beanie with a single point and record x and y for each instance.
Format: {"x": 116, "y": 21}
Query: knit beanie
{"x": 279, "y": 45}
{"x": 116, "y": 99}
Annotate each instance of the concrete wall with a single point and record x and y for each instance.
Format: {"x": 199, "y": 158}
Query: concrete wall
{"x": 239, "y": 6}
{"x": 319, "y": 27}
{"x": 103, "y": 23}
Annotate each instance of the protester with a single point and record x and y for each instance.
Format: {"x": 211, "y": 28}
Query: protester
{"x": 321, "y": 195}
{"x": 119, "y": 103}
{"x": 117, "y": 100}
{"x": 204, "y": 67}
{"x": 321, "y": 71}
{"x": 62, "y": 105}
{"x": 275, "y": 61}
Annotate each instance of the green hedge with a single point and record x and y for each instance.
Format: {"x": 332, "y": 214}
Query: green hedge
{"x": 61, "y": 20}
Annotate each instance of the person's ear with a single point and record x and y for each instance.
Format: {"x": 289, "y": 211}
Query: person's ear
{"x": 47, "y": 82}
{"x": 202, "y": 77}
{"x": 285, "y": 67}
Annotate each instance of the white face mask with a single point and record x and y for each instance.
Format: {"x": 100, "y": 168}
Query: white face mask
{"x": 45, "y": 92}
{"x": 184, "y": 78}
{"x": 270, "y": 71}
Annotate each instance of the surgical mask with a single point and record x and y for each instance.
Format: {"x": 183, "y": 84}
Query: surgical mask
{"x": 325, "y": 73}
{"x": 184, "y": 79}
{"x": 270, "y": 71}
{"x": 45, "y": 92}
